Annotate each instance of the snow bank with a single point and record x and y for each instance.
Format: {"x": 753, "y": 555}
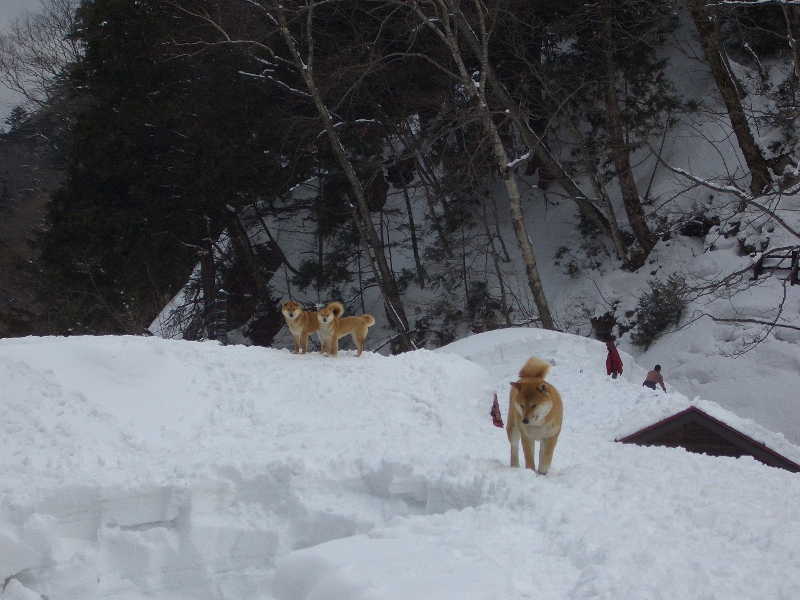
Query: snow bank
{"x": 147, "y": 467}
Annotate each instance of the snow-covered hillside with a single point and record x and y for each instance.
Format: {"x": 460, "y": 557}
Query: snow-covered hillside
{"x": 141, "y": 467}
{"x": 582, "y": 276}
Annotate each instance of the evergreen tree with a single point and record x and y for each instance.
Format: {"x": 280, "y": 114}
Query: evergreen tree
{"x": 16, "y": 118}
{"x": 611, "y": 78}
{"x": 167, "y": 150}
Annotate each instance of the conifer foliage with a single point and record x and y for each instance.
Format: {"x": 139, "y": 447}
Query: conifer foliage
{"x": 192, "y": 120}
{"x": 164, "y": 147}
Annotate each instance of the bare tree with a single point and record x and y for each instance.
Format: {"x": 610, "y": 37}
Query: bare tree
{"x": 792, "y": 33}
{"x": 301, "y": 59}
{"x": 442, "y": 18}
{"x": 36, "y": 49}
{"x": 706, "y": 20}
{"x": 516, "y": 109}
{"x": 764, "y": 204}
{"x": 620, "y": 151}
{"x": 791, "y": 16}
{"x": 609, "y": 101}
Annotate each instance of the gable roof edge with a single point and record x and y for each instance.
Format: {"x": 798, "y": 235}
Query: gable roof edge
{"x": 759, "y": 450}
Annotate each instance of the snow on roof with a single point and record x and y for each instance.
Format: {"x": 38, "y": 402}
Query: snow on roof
{"x": 697, "y": 431}
{"x": 572, "y": 356}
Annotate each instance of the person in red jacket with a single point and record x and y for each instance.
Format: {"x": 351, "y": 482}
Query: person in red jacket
{"x": 613, "y": 361}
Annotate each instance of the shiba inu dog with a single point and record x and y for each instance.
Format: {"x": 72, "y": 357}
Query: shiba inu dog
{"x": 535, "y": 412}
{"x": 333, "y": 326}
{"x": 301, "y": 323}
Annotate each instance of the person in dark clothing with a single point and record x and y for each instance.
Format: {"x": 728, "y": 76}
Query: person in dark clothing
{"x": 613, "y": 360}
{"x": 654, "y": 377}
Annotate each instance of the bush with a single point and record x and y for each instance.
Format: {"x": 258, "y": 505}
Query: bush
{"x": 658, "y": 309}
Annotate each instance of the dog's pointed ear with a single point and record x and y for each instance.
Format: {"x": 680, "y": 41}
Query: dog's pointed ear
{"x": 515, "y": 384}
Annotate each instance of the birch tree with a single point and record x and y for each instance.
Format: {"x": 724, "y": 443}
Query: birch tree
{"x": 515, "y": 108}
{"x": 295, "y": 27}
{"x": 608, "y": 91}
{"x": 442, "y": 18}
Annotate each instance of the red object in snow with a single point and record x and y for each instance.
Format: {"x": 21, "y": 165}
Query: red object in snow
{"x": 613, "y": 360}
{"x": 497, "y": 418}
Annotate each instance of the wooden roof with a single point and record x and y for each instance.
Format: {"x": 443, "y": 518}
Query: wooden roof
{"x": 698, "y": 432}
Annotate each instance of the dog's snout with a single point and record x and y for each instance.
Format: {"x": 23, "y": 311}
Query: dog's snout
{"x": 525, "y": 420}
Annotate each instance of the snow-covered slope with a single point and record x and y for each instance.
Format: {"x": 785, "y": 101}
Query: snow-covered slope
{"x": 582, "y": 277}
{"x": 135, "y": 467}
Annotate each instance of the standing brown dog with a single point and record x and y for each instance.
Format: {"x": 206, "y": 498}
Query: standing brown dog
{"x": 301, "y": 323}
{"x": 535, "y": 412}
{"x": 333, "y": 326}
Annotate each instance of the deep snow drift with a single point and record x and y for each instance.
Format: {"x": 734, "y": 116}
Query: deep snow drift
{"x": 133, "y": 467}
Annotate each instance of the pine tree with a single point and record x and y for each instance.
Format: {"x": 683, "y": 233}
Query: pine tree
{"x": 166, "y": 145}
{"x": 16, "y": 118}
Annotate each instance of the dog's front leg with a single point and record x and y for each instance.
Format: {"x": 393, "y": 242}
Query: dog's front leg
{"x": 527, "y": 450}
{"x": 513, "y": 439}
{"x": 546, "y": 449}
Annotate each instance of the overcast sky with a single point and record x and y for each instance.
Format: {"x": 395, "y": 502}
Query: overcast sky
{"x": 9, "y": 9}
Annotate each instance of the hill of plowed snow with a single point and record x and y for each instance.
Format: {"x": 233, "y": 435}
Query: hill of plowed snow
{"x": 142, "y": 467}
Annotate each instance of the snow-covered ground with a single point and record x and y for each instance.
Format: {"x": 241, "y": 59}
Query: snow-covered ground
{"x": 584, "y": 279}
{"x": 141, "y": 467}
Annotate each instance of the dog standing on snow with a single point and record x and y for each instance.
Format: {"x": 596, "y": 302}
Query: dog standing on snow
{"x": 301, "y": 323}
{"x": 534, "y": 413}
{"x": 333, "y": 326}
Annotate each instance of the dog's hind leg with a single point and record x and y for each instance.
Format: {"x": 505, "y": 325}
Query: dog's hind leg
{"x": 548, "y": 445}
{"x": 359, "y": 342}
{"x": 305, "y": 342}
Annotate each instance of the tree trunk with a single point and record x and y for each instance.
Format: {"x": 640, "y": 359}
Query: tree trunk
{"x": 429, "y": 181}
{"x": 792, "y": 35}
{"x": 476, "y": 92}
{"x": 619, "y": 151}
{"x": 602, "y": 197}
{"x": 708, "y": 29}
{"x": 414, "y": 246}
{"x": 533, "y": 142}
{"x": 497, "y": 270}
{"x": 383, "y": 274}
{"x": 208, "y": 269}
{"x": 243, "y": 248}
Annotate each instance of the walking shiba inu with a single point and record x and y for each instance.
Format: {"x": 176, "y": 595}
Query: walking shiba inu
{"x": 534, "y": 413}
{"x": 332, "y": 326}
{"x": 301, "y": 323}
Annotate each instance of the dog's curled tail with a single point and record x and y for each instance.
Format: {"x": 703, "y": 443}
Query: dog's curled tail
{"x": 535, "y": 367}
{"x": 336, "y": 308}
{"x": 369, "y": 320}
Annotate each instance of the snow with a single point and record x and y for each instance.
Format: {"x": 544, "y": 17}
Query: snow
{"x": 136, "y": 467}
